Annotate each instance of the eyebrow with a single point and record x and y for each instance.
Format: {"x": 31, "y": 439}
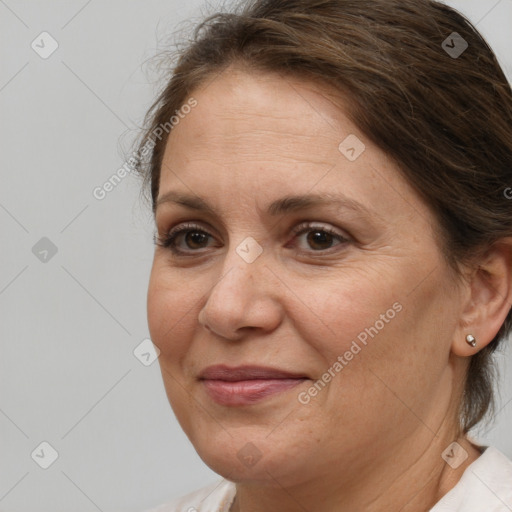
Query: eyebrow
{"x": 288, "y": 204}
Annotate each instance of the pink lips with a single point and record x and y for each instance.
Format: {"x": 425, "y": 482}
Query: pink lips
{"x": 245, "y": 385}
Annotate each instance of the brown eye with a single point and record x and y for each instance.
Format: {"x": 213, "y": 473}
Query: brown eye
{"x": 187, "y": 239}
{"x": 320, "y": 240}
{"x": 317, "y": 238}
{"x": 196, "y": 239}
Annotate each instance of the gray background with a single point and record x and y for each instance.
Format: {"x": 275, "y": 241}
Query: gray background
{"x": 69, "y": 325}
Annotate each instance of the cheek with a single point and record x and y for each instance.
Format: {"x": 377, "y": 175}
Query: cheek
{"x": 378, "y": 328}
{"x": 172, "y": 318}
{"x": 334, "y": 312}
{"x": 172, "y": 309}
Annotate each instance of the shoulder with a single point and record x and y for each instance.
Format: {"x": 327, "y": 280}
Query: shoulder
{"x": 485, "y": 485}
{"x": 216, "y": 497}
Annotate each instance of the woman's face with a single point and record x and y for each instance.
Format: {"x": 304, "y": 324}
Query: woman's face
{"x": 302, "y": 252}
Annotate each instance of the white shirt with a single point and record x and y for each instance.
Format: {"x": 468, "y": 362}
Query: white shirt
{"x": 485, "y": 486}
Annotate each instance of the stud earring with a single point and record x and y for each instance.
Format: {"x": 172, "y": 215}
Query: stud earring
{"x": 470, "y": 339}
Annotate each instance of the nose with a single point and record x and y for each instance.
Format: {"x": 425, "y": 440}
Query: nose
{"x": 244, "y": 299}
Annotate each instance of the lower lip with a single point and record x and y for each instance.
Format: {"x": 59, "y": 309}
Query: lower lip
{"x": 247, "y": 392}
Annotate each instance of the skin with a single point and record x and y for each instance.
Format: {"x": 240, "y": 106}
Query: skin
{"x": 372, "y": 439}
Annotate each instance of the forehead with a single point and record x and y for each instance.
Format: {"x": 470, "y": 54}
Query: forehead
{"x": 255, "y": 135}
{"x": 240, "y": 108}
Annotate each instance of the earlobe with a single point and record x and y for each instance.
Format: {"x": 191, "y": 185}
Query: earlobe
{"x": 489, "y": 300}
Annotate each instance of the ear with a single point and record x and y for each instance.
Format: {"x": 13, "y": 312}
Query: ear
{"x": 489, "y": 299}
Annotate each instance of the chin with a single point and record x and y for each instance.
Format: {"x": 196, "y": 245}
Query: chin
{"x": 247, "y": 457}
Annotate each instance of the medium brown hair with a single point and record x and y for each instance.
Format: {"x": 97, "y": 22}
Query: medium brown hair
{"x": 445, "y": 119}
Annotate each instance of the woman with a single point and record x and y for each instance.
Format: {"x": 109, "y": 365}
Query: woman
{"x": 333, "y": 266}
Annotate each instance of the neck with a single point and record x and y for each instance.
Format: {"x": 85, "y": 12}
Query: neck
{"x": 406, "y": 480}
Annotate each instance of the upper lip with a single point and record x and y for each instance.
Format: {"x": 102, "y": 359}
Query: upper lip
{"x": 247, "y": 372}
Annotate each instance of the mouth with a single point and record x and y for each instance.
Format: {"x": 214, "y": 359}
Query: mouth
{"x": 246, "y": 385}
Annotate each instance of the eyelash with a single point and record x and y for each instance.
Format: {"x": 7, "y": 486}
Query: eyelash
{"x": 168, "y": 240}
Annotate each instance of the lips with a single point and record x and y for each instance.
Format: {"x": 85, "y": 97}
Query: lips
{"x": 232, "y": 374}
{"x": 245, "y": 385}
